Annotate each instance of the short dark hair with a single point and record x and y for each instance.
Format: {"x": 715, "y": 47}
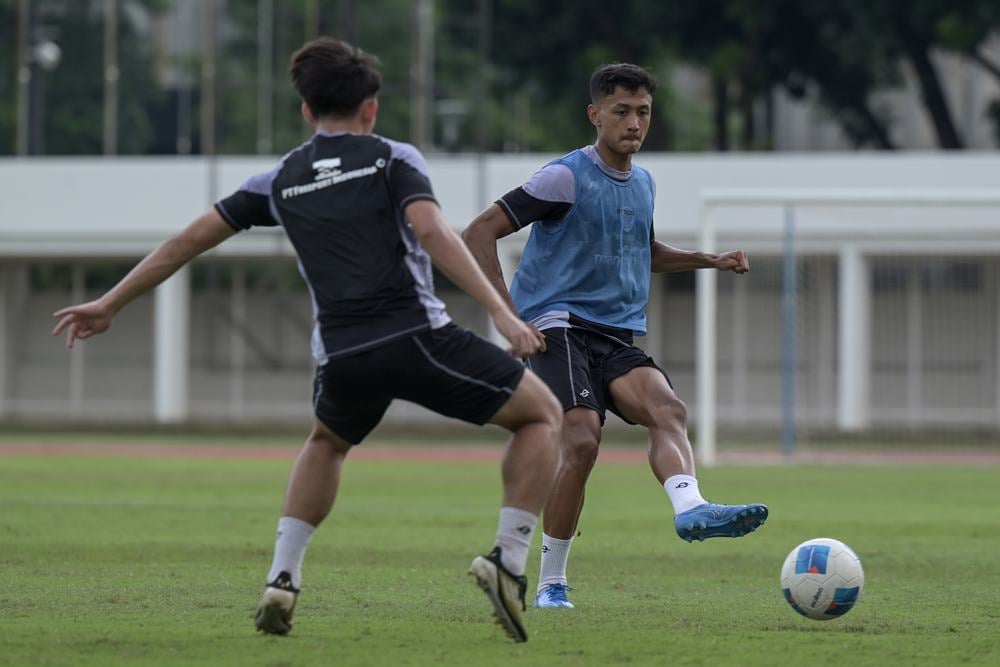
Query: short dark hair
{"x": 606, "y": 78}
{"x": 334, "y": 77}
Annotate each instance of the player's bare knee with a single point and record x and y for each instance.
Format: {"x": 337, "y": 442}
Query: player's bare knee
{"x": 326, "y": 439}
{"x": 580, "y": 451}
{"x": 541, "y": 407}
{"x": 548, "y": 419}
{"x": 580, "y": 442}
{"x": 671, "y": 411}
{"x": 552, "y": 413}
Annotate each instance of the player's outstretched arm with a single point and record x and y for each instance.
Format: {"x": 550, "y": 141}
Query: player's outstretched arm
{"x": 87, "y": 319}
{"x": 454, "y": 259}
{"x": 667, "y": 259}
{"x": 481, "y": 237}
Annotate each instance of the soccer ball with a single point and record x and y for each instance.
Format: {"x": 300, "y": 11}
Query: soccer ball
{"x": 822, "y": 579}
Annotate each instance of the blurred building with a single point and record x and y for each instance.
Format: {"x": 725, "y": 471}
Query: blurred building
{"x": 228, "y": 341}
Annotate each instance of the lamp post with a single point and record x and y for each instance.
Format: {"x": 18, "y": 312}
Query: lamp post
{"x": 23, "y": 75}
{"x": 36, "y": 55}
{"x": 111, "y": 76}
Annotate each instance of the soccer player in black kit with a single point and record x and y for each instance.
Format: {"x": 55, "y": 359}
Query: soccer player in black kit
{"x": 360, "y": 213}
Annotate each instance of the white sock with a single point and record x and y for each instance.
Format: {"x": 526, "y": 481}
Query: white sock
{"x": 683, "y": 493}
{"x": 514, "y": 538}
{"x": 290, "y": 548}
{"x": 555, "y": 553}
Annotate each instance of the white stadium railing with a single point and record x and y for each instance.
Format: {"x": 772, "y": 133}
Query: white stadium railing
{"x": 852, "y": 243}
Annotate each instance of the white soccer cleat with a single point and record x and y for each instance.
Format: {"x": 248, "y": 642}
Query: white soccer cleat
{"x": 274, "y": 613}
{"x": 505, "y": 592}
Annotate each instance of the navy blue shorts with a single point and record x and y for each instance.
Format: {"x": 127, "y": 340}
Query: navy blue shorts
{"x": 448, "y": 370}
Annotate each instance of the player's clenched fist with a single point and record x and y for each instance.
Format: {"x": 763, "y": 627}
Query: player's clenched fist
{"x": 735, "y": 261}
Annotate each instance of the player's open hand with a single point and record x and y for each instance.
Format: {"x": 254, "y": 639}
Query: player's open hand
{"x": 525, "y": 339}
{"x": 735, "y": 261}
{"x": 82, "y": 321}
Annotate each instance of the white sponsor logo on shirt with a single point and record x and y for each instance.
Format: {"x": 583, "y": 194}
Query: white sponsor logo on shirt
{"x": 326, "y": 168}
{"x": 327, "y": 174}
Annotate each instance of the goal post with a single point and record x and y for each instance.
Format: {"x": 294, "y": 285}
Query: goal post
{"x": 850, "y": 245}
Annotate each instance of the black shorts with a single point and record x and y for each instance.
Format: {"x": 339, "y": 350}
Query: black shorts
{"x": 578, "y": 365}
{"x": 449, "y": 370}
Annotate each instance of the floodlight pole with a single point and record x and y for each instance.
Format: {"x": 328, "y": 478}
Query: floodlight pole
{"x": 111, "y": 76}
{"x": 482, "y": 101}
{"x": 172, "y": 299}
{"x": 208, "y": 78}
{"x": 311, "y": 20}
{"x": 422, "y": 77}
{"x": 265, "y": 76}
{"x": 23, "y": 76}
{"x": 348, "y": 20}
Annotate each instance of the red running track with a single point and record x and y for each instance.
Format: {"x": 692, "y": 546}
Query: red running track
{"x": 480, "y": 453}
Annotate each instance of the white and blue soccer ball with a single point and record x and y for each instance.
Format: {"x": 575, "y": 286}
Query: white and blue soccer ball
{"x": 822, "y": 579}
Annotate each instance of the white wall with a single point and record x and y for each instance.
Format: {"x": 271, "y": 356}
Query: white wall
{"x": 93, "y": 206}
{"x": 91, "y": 209}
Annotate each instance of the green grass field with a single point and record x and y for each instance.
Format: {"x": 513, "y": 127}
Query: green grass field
{"x": 112, "y": 561}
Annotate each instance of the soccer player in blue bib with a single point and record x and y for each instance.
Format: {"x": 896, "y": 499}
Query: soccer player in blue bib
{"x": 583, "y": 280}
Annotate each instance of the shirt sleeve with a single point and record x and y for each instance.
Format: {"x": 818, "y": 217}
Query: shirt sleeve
{"x": 547, "y": 196}
{"x": 409, "y": 177}
{"x": 250, "y": 206}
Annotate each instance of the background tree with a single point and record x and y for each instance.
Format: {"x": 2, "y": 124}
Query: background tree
{"x": 386, "y": 32}
{"x": 832, "y": 48}
{"x": 718, "y": 62}
{"x": 68, "y": 102}
{"x": 548, "y": 51}
{"x": 8, "y": 75}
{"x": 965, "y": 30}
{"x": 909, "y": 31}
{"x": 728, "y": 39}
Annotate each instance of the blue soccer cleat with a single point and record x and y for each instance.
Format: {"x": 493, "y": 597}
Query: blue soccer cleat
{"x": 712, "y": 520}
{"x": 553, "y": 596}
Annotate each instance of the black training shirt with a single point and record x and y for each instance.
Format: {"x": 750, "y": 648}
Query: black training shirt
{"x": 340, "y": 199}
